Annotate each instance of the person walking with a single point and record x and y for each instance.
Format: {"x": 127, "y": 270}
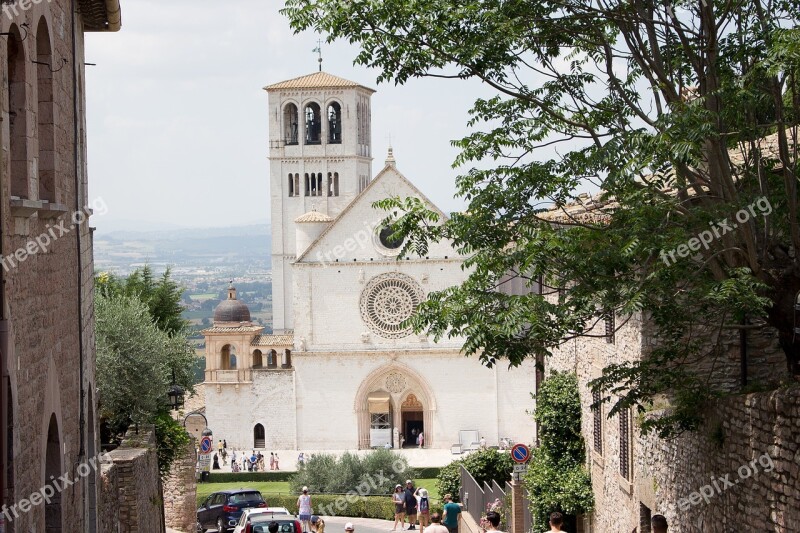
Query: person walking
{"x": 399, "y": 500}
{"x": 304, "y": 508}
{"x": 277, "y": 465}
{"x": 451, "y": 512}
{"x": 224, "y": 444}
{"x": 436, "y": 524}
{"x": 424, "y": 509}
{"x": 493, "y": 519}
{"x": 421, "y": 439}
{"x": 271, "y": 461}
{"x": 556, "y": 521}
{"x": 411, "y": 504}
{"x": 659, "y": 523}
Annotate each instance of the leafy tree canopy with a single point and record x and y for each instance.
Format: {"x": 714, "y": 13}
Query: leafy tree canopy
{"x": 682, "y": 113}
{"x": 484, "y": 465}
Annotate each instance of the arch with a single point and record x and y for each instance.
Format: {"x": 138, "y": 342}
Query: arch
{"x": 334, "y": 123}
{"x": 52, "y": 470}
{"x": 259, "y": 436}
{"x": 272, "y": 359}
{"x": 291, "y": 189}
{"x": 290, "y": 123}
{"x": 287, "y": 359}
{"x": 296, "y": 184}
{"x": 18, "y": 114}
{"x": 308, "y": 185}
{"x": 45, "y": 114}
{"x": 258, "y": 361}
{"x": 333, "y": 184}
{"x": 228, "y": 357}
{"x": 313, "y": 121}
{"x": 411, "y": 382}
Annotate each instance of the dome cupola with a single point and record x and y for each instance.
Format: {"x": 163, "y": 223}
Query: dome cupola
{"x": 232, "y": 312}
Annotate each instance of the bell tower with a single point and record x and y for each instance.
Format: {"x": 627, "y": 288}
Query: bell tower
{"x": 320, "y": 152}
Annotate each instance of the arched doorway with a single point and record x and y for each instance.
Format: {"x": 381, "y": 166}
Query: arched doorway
{"x": 52, "y": 470}
{"x": 399, "y": 396}
{"x": 412, "y": 421}
{"x": 228, "y": 357}
{"x": 258, "y": 360}
{"x": 259, "y": 437}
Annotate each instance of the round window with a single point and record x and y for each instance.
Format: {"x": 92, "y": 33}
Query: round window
{"x": 393, "y": 244}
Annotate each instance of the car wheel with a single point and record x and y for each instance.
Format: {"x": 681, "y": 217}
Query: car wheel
{"x": 200, "y": 528}
{"x": 221, "y": 525}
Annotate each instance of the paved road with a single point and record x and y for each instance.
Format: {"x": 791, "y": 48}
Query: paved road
{"x": 335, "y": 524}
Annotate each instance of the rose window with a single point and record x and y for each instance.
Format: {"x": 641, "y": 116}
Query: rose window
{"x": 387, "y": 301}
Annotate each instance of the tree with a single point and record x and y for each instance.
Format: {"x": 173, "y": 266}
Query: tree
{"x": 483, "y": 465}
{"x": 556, "y": 478}
{"x": 682, "y": 113}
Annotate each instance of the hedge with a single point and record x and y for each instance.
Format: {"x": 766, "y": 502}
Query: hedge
{"x": 340, "y": 505}
{"x": 235, "y": 477}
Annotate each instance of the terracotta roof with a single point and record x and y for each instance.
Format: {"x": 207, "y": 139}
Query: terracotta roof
{"x": 317, "y": 80}
{"x": 587, "y": 210}
{"x": 313, "y": 216}
{"x": 232, "y": 329}
{"x": 273, "y": 340}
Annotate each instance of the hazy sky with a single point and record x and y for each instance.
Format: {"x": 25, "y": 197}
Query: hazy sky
{"x": 177, "y": 118}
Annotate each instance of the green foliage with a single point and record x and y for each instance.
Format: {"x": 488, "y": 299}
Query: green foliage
{"x": 668, "y": 116}
{"x": 484, "y": 465}
{"x": 171, "y": 440}
{"x": 556, "y": 478}
{"x": 380, "y": 507}
{"x": 242, "y": 477}
{"x": 374, "y": 473}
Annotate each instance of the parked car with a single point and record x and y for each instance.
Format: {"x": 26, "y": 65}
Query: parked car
{"x": 259, "y": 523}
{"x": 222, "y": 510}
{"x": 250, "y": 514}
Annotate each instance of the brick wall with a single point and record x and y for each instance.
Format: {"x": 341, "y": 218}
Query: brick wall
{"x": 180, "y": 491}
{"x": 131, "y": 486}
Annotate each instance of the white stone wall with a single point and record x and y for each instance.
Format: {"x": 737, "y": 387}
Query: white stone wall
{"x": 234, "y": 410}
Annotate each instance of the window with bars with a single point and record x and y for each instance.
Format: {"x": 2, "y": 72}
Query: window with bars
{"x": 380, "y": 421}
{"x": 610, "y": 327}
{"x": 625, "y": 444}
{"x": 598, "y": 423}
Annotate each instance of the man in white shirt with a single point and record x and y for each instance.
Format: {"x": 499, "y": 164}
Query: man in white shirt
{"x": 436, "y": 525}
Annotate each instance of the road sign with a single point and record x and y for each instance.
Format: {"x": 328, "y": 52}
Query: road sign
{"x": 520, "y": 468}
{"x": 520, "y": 453}
{"x": 206, "y": 445}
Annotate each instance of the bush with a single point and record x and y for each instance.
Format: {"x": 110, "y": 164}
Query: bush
{"x": 380, "y": 507}
{"x": 265, "y": 477}
{"x": 557, "y": 479}
{"x": 375, "y": 473}
{"x": 484, "y": 465}
{"x": 171, "y": 441}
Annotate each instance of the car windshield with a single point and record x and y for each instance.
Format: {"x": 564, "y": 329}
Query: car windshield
{"x": 263, "y": 521}
{"x": 245, "y": 498}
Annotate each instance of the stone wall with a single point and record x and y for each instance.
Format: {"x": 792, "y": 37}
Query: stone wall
{"x": 131, "y": 486}
{"x": 741, "y": 472}
{"x": 180, "y": 491}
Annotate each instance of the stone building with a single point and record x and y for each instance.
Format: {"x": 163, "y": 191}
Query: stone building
{"x": 636, "y": 476}
{"x": 341, "y": 371}
{"x": 49, "y": 421}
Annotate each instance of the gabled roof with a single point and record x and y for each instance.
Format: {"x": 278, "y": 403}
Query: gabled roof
{"x": 317, "y": 80}
{"x": 390, "y": 167}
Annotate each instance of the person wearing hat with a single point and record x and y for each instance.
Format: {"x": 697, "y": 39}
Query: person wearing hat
{"x": 304, "y": 509}
{"x": 411, "y": 504}
{"x": 424, "y": 509}
{"x": 317, "y": 524}
{"x": 399, "y": 500}
{"x": 349, "y": 527}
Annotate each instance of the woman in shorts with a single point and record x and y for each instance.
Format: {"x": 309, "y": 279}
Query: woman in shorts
{"x": 424, "y": 509}
{"x": 399, "y": 499}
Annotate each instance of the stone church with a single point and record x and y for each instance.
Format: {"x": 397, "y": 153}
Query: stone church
{"x": 340, "y": 370}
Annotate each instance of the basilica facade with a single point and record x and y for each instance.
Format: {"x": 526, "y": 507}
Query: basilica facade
{"x": 341, "y": 370}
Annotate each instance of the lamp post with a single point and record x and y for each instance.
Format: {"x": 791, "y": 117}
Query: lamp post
{"x": 175, "y": 394}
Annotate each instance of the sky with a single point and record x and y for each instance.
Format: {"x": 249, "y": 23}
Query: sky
{"x": 177, "y": 117}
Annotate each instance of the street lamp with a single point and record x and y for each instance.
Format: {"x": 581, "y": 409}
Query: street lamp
{"x": 175, "y": 394}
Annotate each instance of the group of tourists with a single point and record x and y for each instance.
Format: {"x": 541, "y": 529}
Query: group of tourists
{"x": 412, "y": 503}
{"x": 254, "y": 462}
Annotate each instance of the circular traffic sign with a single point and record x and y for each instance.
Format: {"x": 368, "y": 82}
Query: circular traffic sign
{"x": 520, "y": 453}
{"x": 205, "y": 445}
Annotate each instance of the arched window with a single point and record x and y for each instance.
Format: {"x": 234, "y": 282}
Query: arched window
{"x": 319, "y": 184}
{"x": 259, "y": 437}
{"x": 258, "y": 361}
{"x": 291, "y": 185}
{"x": 308, "y": 185}
{"x": 334, "y": 123}
{"x": 287, "y": 359}
{"x": 52, "y": 469}
{"x": 272, "y": 359}
{"x": 313, "y": 123}
{"x": 297, "y": 184}
{"x": 228, "y": 357}
{"x": 46, "y": 131}
{"x": 18, "y": 115}
{"x": 290, "y": 122}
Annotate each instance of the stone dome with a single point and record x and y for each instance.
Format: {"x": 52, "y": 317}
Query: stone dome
{"x": 232, "y": 310}
{"x": 313, "y": 216}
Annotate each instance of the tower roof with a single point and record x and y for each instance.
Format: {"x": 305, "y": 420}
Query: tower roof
{"x": 317, "y": 80}
{"x": 231, "y": 311}
{"x": 313, "y": 216}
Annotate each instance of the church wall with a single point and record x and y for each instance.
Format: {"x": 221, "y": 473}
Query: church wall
{"x": 233, "y": 411}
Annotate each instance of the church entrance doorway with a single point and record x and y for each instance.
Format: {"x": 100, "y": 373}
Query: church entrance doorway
{"x": 380, "y": 420}
{"x": 412, "y": 423}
